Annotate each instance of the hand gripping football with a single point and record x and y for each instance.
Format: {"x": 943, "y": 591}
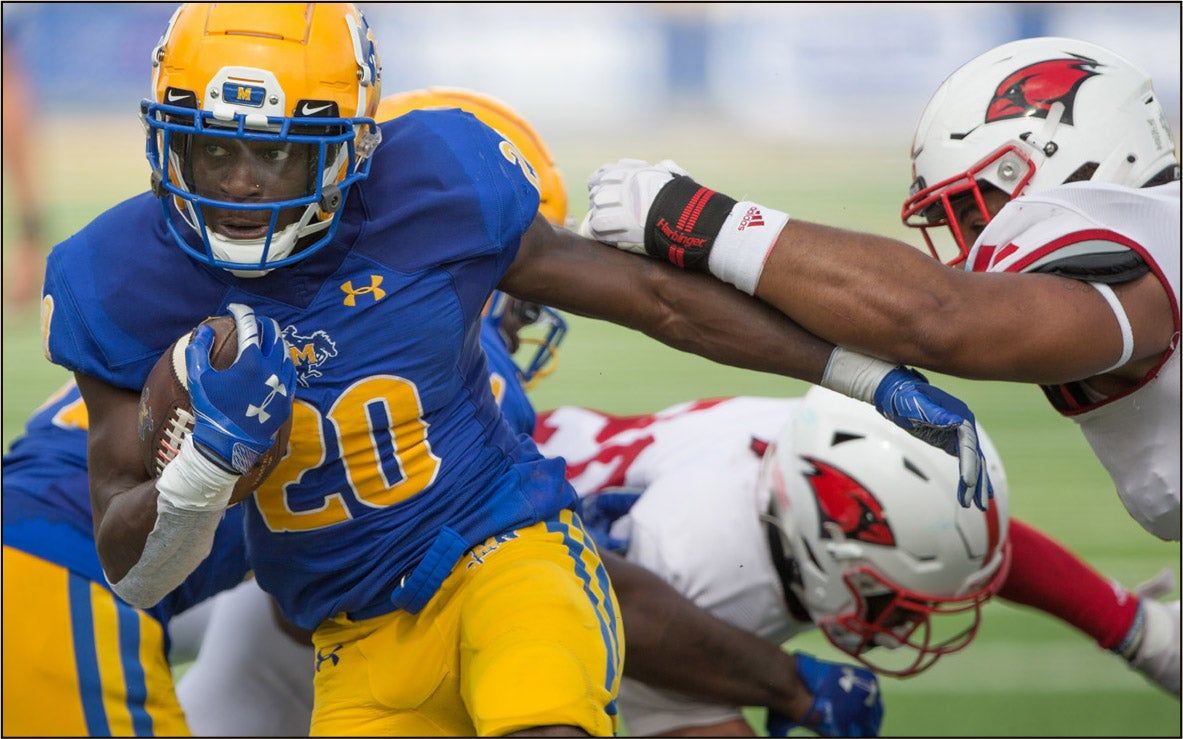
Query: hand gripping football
{"x": 166, "y": 411}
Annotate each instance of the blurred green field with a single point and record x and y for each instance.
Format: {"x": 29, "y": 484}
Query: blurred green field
{"x": 1025, "y": 675}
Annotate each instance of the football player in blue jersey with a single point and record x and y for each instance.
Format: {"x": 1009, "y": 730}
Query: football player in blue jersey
{"x": 407, "y": 524}
{"x": 78, "y": 659}
{"x": 242, "y": 634}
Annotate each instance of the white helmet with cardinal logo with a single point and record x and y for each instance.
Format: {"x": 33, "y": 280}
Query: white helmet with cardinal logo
{"x": 1030, "y": 115}
{"x": 879, "y": 551}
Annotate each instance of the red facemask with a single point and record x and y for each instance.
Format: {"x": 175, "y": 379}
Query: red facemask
{"x": 906, "y": 620}
{"x": 930, "y": 206}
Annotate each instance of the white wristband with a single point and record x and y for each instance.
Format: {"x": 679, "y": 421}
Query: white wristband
{"x": 854, "y": 375}
{"x": 743, "y": 244}
{"x": 191, "y": 482}
{"x": 1123, "y": 322}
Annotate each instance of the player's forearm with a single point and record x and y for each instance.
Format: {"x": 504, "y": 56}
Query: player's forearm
{"x": 674, "y": 644}
{"x": 881, "y": 297}
{"x": 690, "y": 312}
{"x": 864, "y": 292}
{"x": 722, "y": 324}
{"x": 868, "y": 293}
{"x": 146, "y": 546}
{"x": 180, "y": 540}
{"x": 122, "y": 525}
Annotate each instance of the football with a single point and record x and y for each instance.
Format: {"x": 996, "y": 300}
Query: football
{"x": 166, "y": 411}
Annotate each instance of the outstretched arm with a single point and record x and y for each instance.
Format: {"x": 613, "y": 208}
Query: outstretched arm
{"x": 883, "y": 297}
{"x": 878, "y": 295}
{"x": 676, "y": 645}
{"x": 698, "y": 314}
{"x": 689, "y": 312}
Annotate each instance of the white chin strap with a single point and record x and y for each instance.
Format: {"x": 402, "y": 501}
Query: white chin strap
{"x": 251, "y": 250}
{"x": 246, "y": 251}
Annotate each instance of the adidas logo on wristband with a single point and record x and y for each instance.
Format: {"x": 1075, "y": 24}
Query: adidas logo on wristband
{"x": 751, "y": 219}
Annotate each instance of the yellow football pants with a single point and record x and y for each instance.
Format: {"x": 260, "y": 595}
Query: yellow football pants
{"x": 525, "y": 631}
{"x": 78, "y": 661}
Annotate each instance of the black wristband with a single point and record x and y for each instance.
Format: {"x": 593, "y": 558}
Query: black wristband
{"x": 684, "y": 221}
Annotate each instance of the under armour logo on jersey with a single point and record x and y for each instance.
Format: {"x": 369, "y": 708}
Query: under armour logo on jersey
{"x": 277, "y": 388}
{"x": 331, "y": 657}
{"x": 373, "y": 289}
{"x": 850, "y": 680}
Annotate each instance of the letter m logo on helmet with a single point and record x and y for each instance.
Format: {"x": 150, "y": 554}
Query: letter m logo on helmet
{"x": 1032, "y": 90}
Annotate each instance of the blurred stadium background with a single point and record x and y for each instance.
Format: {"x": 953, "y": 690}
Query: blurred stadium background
{"x": 806, "y": 107}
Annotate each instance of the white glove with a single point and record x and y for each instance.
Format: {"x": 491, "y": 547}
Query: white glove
{"x": 619, "y": 198}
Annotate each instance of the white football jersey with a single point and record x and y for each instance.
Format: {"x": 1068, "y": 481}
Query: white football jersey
{"x": 1135, "y": 434}
{"x": 605, "y": 451}
{"x": 697, "y": 524}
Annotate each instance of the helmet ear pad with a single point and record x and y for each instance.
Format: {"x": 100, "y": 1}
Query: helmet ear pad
{"x": 181, "y": 147}
{"x": 884, "y": 555}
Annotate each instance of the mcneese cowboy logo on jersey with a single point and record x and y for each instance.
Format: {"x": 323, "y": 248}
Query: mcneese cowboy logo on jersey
{"x": 309, "y": 352}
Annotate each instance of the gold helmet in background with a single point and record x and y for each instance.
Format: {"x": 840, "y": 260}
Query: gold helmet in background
{"x": 501, "y": 118}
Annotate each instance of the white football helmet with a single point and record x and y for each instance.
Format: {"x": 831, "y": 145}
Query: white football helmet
{"x": 877, "y": 542}
{"x": 1030, "y": 115}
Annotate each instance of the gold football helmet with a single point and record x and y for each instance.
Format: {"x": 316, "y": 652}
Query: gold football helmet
{"x": 278, "y": 98}
{"x": 501, "y": 118}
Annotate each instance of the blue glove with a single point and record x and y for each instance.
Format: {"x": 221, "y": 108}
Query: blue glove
{"x": 930, "y": 414}
{"x": 599, "y": 511}
{"x": 846, "y": 700}
{"x": 239, "y": 409}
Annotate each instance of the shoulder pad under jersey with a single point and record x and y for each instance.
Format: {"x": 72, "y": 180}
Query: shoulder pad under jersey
{"x": 119, "y": 291}
{"x": 1050, "y": 234}
{"x": 444, "y": 187}
{"x": 1112, "y": 267}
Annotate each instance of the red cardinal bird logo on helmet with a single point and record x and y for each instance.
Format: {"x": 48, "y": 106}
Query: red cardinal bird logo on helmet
{"x": 843, "y": 500}
{"x": 1031, "y": 90}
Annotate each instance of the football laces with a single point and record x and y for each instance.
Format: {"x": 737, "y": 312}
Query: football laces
{"x": 179, "y": 426}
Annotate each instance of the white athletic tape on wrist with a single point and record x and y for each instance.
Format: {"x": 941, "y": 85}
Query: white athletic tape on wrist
{"x": 1123, "y": 321}
{"x": 193, "y": 483}
{"x": 743, "y": 244}
{"x": 177, "y": 544}
{"x": 854, "y": 375}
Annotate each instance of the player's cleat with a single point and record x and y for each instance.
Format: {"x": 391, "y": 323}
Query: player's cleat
{"x": 1157, "y": 656}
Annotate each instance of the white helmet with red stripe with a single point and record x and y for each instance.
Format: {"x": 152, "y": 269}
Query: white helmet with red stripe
{"x": 1030, "y": 115}
{"x": 881, "y": 552}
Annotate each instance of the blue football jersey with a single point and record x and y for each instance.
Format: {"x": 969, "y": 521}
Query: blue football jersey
{"x": 47, "y": 507}
{"x": 505, "y": 380}
{"x": 398, "y": 451}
